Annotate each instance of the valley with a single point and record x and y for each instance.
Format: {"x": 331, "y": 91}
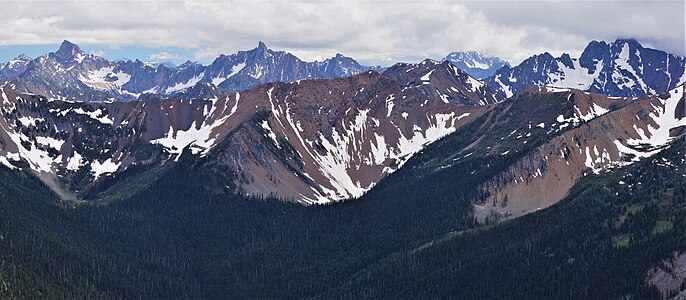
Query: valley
{"x": 338, "y": 180}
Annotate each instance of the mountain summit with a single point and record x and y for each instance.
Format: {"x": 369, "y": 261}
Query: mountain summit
{"x": 70, "y": 74}
{"x": 318, "y": 140}
{"x": 621, "y": 68}
{"x": 475, "y": 64}
{"x": 68, "y": 51}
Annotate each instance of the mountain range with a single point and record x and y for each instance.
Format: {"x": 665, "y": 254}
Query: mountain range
{"x": 265, "y": 138}
{"x": 366, "y": 126}
{"x": 71, "y": 74}
{"x": 620, "y": 68}
{"x": 263, "y": 176}
{"x": 475, "y": 64}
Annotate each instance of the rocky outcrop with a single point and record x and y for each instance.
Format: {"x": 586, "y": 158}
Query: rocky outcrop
{"x": 316, "y": 140}
{"x": 620, "y": 68}
{"x": 70, "y": 74}
{"x": 605, "y": 133}
{"x": 669, "y": 277}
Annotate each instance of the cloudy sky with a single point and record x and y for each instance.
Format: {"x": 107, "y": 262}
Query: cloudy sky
{"x": 374, "y": 32}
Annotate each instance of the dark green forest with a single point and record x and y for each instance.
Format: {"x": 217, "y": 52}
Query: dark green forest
{"x": 412, "y": 236}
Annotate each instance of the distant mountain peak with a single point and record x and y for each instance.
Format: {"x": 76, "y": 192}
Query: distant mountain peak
{"x": 630, "y": 41}
{"x": 443, "y": 82}
{"x": 23, "y": 56}
{"x": 475, "y": 63}
{"x": 187, "y": 64}
{"x": 430, "y": 61}
{"x": 619, "y": 44}
{"x": 340, "y": 59}
{"x": 67, "y": 50}
{"x": 620, "y": 68}
{"x": 14, "y": 67}
{"x": 71, "y": 74}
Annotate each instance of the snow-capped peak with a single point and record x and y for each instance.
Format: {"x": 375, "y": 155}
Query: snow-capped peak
{"x": 476, "y": 64}
{"x": 620, "y": 68}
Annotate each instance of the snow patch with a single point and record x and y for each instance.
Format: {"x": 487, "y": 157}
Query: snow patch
{"x": 183, "y": 85}
{"x": 106, "y": 167}
{"x": 97, "y": 115}
{"x": 427, "y": 77}
{"x": 234, "y": 70}
{"x": 270, "y": 132}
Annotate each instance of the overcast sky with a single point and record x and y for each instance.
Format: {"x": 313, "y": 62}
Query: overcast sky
{"x": 373, "y": 32}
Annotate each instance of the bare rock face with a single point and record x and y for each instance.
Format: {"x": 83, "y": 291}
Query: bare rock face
{"x": 313, "y": 141}
{"x": 70, "y": 74}
{"x": 443, "y": 81}
{"x": 669, "y": 277}
{"x": 607, "y": 133}
{"x": 620, "y": 68}
{"x": 323, "y": 140}
{"x": 343, "y": 134}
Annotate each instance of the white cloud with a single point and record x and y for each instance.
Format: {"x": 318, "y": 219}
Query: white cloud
{"x": 205, "y": 54}
{"x": 99, "y": 53}
{"x": 163, "y": 56}
{"x": 370, "y": 31}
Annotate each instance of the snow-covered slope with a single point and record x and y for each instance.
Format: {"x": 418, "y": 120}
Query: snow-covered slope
{"x": 590, "y": 137}
{"x": 70, "y": 74}
{"x": 14, "y": 67}
{"x": 475, "y": 64}
{"x": 317, "y": 140}
{"x": 620, "y": 68}
{"x": 344, "y": 135}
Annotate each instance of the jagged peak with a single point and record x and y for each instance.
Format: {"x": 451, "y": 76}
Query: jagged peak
{"x": 474, "y": 55}
{"x": 426, "y": 64}
{"x": 23, "y": 56}
{"x": 593, "y": 50}
{"x": 431, "y": 64}
{"x": 595, "y": 47}
{"x": 341, "y": 57}
{"x": 546, "y": 55}
{"x": 464, "y": 54}
{"x": 596, "y": 43}
{"x": 160, "y": 67}
{"x": 631, "y": 41}
{"x": 68, "y": 49}
{"x": 262, "y": 49}
{"x": 186, "y": 64}
{"x": 566, "y": 60}
{"x": 429, "y": 61}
